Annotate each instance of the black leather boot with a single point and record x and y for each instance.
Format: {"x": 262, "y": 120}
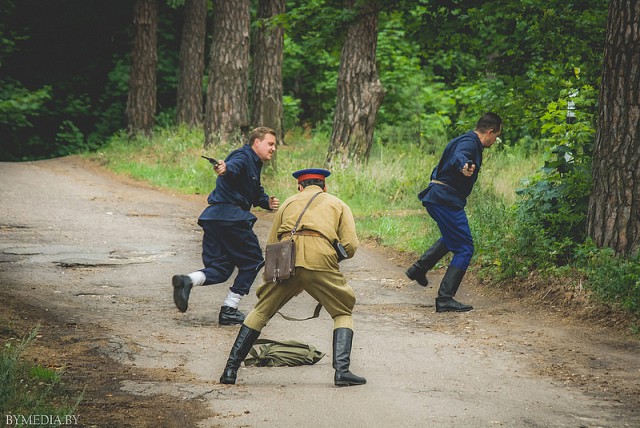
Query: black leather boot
{"x": 230, "y": 316}
{"x": 448, "y": 288}
{"x": 418, "y": 271}
{"x": 181, "y": 288}
{"x": 245, "y": 340}
{"x": 342, "y": 339}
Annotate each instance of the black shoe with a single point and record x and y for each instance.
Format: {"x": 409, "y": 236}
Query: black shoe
{"x": 181, "y": 288}
{"x": 230, "y": 316}
{"x": 451, "y": 305}
{"x": 417, "y": 275}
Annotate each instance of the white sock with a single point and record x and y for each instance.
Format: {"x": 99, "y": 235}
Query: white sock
{"x": 232, "y": 300}
{"x": 197, "y": 278}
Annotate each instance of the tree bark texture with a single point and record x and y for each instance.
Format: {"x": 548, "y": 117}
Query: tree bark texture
{"x": 266, "y": 95}
{"x": 141, "y": 101}
{"x": 189, "y": 97}
{"x": 227, "y": 105}
{"x": 614, "y": 206}
{"x": 359, "y": 91}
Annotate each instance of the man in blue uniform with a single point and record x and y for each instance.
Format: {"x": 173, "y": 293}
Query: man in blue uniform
{"x": 445, "y": 198}
{"x": 229, "y": 240}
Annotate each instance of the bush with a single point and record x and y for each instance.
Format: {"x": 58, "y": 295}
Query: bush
{"x": 611, "y": 278}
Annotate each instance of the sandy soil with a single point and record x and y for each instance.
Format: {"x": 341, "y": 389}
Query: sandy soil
{"x": 89, "y": 257}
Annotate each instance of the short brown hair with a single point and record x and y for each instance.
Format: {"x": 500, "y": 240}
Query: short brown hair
{"x": 489, "y": 121}
{"x": 259, "y": 133}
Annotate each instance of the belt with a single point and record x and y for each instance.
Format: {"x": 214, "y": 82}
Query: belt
{"x": 453, "y": 189}
{"x": 303, "y": 232}
{"x": 308, "y": 232}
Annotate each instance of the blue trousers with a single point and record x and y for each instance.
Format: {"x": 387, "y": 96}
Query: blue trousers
{"x": 227, "y": 245}
{"x": 455, "y": 231}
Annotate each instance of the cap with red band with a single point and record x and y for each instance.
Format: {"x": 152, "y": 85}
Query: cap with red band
{"x": 310, "y": 173}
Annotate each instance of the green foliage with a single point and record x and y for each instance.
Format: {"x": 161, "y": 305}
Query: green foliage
{"x": 440, "y": 62}
{"x": 610, "y": 278}
{"x": 18, "y": 105}
{"x": 510, "y": 57}
{"x": 314, "y": 33}
{"x": 550, "y": 218}
{"x": 415, "y": 107}
{"x": 27, "y": 389}
{"x": 292, "y": 111}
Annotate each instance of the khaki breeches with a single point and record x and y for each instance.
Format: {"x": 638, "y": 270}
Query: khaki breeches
{"x": 328, "y": 288}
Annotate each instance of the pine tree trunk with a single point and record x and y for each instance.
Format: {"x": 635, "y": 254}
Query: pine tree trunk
{"x": 189, "y": 103}
{"x": 614, "y": 206}
{"x": 227, "y": 107}
{"x": 359, "y": 91}
{"x": 141, "y": 101}
{"x": 266, "y": 97}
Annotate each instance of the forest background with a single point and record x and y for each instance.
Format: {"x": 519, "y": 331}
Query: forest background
{"x": 64, "y": 87}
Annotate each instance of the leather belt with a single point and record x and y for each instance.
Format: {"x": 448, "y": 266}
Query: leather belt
{"x": 303, "y": 232}
{"x": 308, "y": 232}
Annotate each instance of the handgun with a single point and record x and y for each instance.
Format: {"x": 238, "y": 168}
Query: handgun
{"x": 214, "y": 162}
{"x": 340, "y": 250}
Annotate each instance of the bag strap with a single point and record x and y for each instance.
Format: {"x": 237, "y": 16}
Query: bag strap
{"x": 316, "y": 311}
{"x": 316, "y": 314}
{"x": 295, "y": 228}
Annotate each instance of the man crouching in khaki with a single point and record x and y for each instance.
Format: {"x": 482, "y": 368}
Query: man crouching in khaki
{"x": 326, "y": 220}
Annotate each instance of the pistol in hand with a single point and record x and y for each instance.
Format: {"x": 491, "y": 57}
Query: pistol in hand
{"x": 214, "y": 162}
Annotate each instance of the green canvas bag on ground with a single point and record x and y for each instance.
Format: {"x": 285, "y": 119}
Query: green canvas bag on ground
{"x": 287, "y": 353}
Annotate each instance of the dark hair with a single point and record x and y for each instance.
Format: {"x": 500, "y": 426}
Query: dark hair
{"x": 312, "y": 181}
{"x": 489, "y": 121}
{"x": 259, "y": 133}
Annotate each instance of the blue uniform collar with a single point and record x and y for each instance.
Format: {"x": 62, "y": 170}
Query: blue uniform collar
{"x": 254, "y": 156}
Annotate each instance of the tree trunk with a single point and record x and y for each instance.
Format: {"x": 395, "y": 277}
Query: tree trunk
{"x": 266, "y": 97}
{"x": 359, "y": 91}
{"x": 189, "y": 103}
{"x": 227, "y": 109}
{"x": 614, "y": 207}
{"x": 141, "y": 101}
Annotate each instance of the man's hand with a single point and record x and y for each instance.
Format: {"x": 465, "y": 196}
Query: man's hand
{"x": 220, "y": 168}
{"x": 274, "y": 203}
{"x": 468, "y": 169}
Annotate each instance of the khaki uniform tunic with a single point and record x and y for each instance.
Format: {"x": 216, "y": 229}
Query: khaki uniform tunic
{"x": 317, "y": 269}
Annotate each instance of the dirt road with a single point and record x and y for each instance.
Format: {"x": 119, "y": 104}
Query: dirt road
{"x": 90, "y": 256}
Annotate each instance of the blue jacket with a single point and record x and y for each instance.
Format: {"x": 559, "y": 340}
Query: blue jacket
{"x": 454, "y": 187}
{"x": 238, "y": 189}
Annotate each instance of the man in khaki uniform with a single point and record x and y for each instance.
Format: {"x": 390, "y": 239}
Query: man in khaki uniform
{"x": 317, "y": 272}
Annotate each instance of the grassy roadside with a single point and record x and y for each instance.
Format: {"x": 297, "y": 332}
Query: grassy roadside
{"x": 381, "y": 193}
{"x": 31, "y": 394}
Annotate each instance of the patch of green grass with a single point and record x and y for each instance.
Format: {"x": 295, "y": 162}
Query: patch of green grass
{"x": 27, "y": 389}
